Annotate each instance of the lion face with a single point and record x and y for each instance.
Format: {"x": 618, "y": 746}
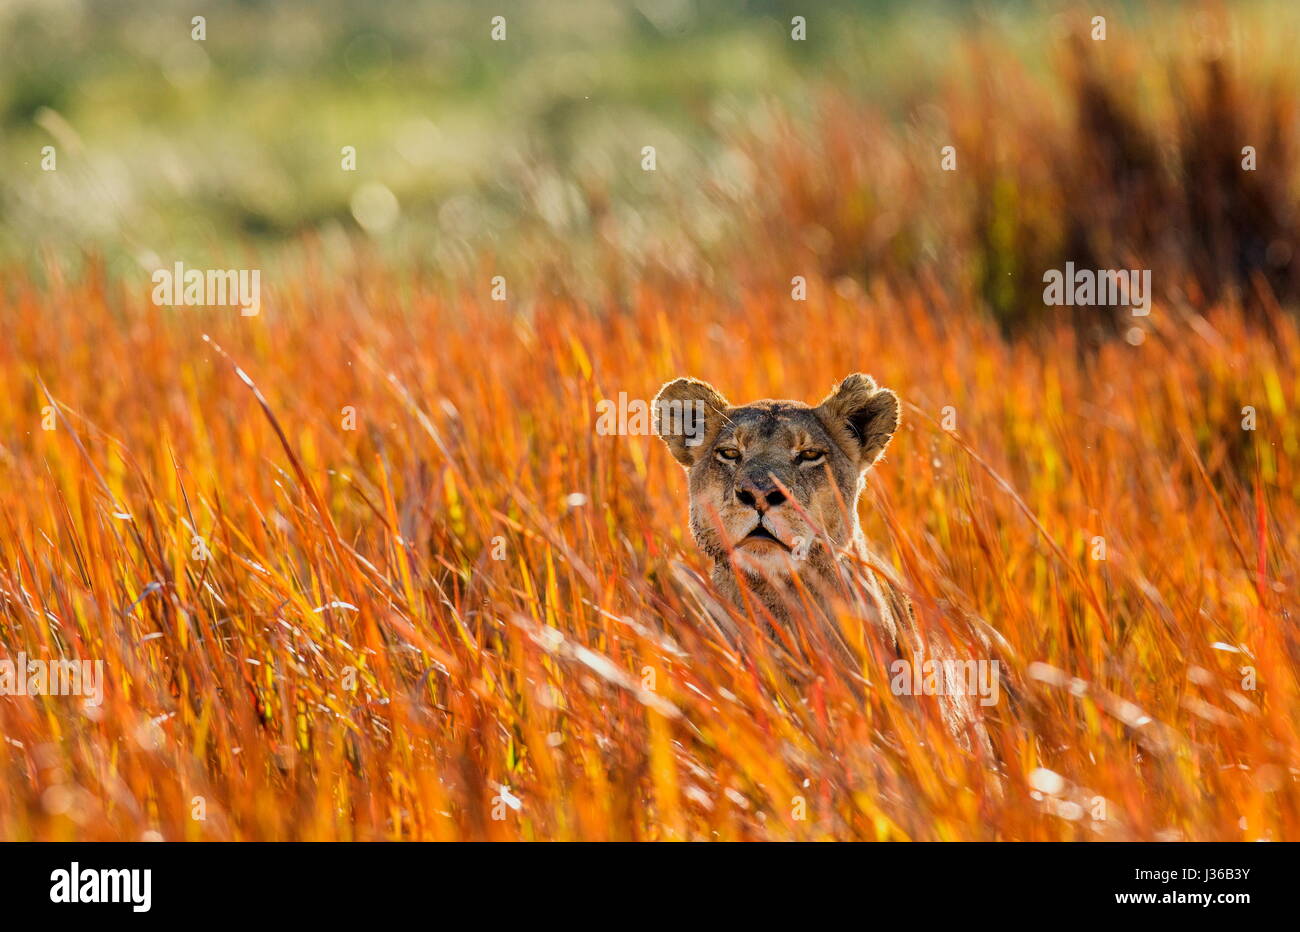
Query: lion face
{"x": 776, "y": 483}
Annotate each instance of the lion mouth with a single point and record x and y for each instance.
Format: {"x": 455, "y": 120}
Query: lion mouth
{"x": 760, "y": 534}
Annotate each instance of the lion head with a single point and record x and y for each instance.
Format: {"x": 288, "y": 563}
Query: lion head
{"x": 775, "y": 483}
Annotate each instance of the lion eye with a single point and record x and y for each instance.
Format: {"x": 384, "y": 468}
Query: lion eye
{"x": 809, "y": 456}
{"x": 730, "y": 454}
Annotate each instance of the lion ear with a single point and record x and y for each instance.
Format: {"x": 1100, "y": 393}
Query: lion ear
{"x": 862, "y": 415}
{"x": 687, "y": 415}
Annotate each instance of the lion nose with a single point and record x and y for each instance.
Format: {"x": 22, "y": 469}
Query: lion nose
{"x": 759, "y": 497}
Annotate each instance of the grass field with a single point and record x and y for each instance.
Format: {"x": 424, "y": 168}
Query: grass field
{"x": 361, "y": 567}
{"x": 348, "y": 660}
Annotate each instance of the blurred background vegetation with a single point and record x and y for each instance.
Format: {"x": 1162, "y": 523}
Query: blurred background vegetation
{"x": 820, "y": 154}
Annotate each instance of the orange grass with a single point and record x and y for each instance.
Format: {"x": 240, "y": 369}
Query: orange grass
{"x": 352, "y": 662}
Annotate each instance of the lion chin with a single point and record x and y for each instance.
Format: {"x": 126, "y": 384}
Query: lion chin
{"x": 763, "y": 552}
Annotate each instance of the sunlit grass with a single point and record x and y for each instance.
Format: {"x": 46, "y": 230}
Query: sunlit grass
{"x": 352, "y": 662}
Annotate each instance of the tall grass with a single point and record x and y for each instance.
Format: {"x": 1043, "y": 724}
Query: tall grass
{"x": 349, "y": 660}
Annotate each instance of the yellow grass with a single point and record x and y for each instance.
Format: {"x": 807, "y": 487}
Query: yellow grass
{"x": 352, "y": 661}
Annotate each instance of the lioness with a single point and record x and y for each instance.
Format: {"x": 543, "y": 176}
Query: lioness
{"x": 774, "y": 488}
{"x": 775, "y": 484}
